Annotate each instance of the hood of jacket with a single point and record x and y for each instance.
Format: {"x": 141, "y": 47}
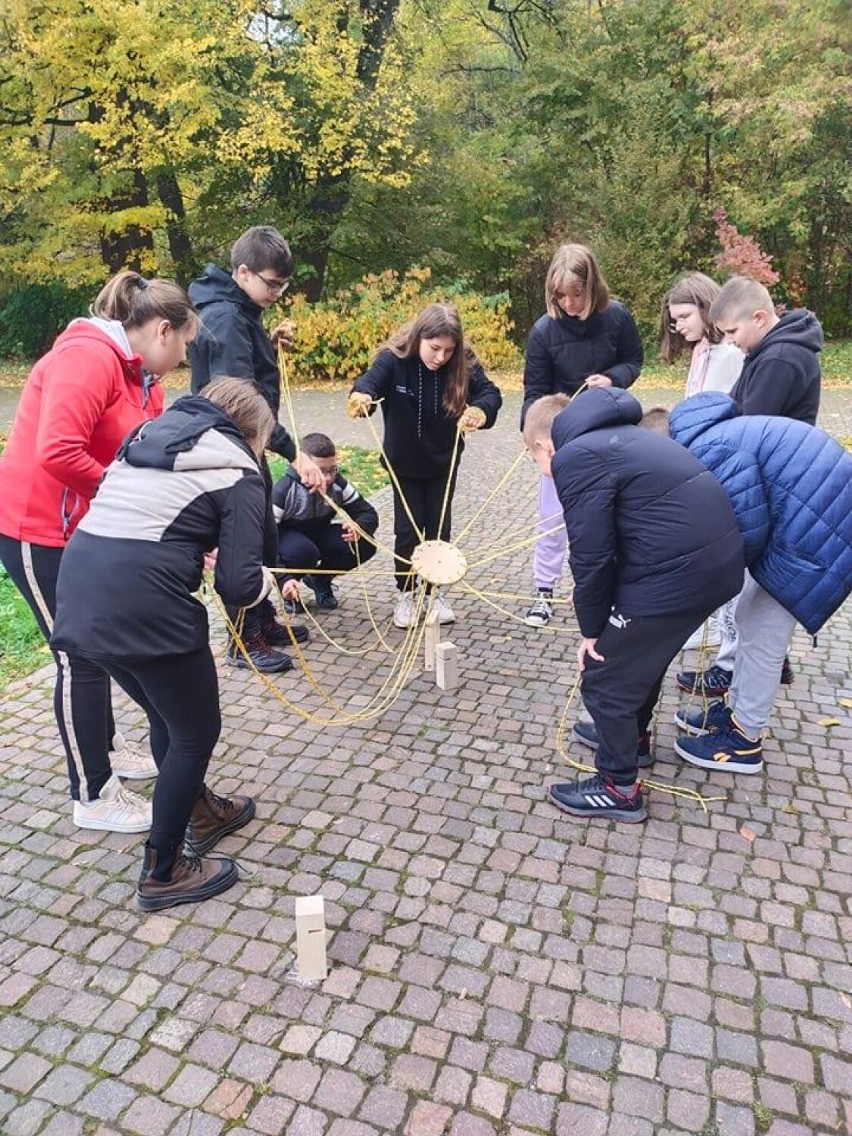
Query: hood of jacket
{"x": 799, "y": 327}
{"x": 86, "y": 332}
{"x": 193, "y": 433}
{"x": 215, "y": 286}
{"x": 695, "y": 415}
{"x": 595, "y": 409}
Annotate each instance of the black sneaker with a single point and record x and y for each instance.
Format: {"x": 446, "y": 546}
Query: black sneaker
{"x": 704, "y": 720}
{"x": 266, "y": 659}
{"x": 278, "y": 636}
{"x": 787, "y": 672}
{"x": 712, "y": 683}
{"x": 324, "y": 596}
{"x": 587, "y": 734}
{"x": 541, "y": 611}
{"x": 598, "y": 796}
{"x": 729, "y": 750}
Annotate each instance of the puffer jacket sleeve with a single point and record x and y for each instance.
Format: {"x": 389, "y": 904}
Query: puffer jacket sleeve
{"x": 484, "y": 394}
{"x": 625, "y": 371}
{"x": 239, "y": 577}
{"x": 587, "y": 492}
{"x": 739, "y": 472}
{"x": 539, "y": 379}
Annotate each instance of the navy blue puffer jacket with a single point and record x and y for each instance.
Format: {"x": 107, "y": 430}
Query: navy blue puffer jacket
{"x": 791, "y": 488}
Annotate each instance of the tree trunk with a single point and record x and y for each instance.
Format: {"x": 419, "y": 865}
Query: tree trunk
{"x": 180, "y": 246}
{"x": 123, "y": 249}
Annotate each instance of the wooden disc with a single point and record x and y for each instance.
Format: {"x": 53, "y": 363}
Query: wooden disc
{"x": 438, "y": 562}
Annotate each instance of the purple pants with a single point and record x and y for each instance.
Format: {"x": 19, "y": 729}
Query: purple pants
{"x": 549, "y": 556}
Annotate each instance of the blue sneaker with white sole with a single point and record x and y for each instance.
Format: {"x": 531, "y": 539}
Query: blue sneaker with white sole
{"x": 727, "y": 749}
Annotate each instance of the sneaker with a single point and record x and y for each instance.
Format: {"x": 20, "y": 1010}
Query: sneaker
{"x": 441, "y": 608}
{"x": 787, "y": 672}
{"x": 277, "y": 635}
{"x": 598, "y": 796}
{"x": 115, "y": 809}
{"x": 324, "y": 596}
{"x": 728, "y": 749}
{"x": 214, "y": 817}
{"x": 586, "y": 734}
{"x": 704, "y": 720}
{"x": 268, "y": 660}
{"x": 191, "y": 879}
{"x": 403, "y": 614}
{"x": 541, "y": 612}
{"x": 130, "y": 762}
{"x": 712, "y": 683}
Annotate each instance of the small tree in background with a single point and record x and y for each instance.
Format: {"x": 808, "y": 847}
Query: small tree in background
{"x": 742, "y": 256}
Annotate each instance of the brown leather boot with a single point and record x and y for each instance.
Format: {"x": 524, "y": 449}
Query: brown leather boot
{"x": 214, "y": 817}
{"x": 191, "y": 879}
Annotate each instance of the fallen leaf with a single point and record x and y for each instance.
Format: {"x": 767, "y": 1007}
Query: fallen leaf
{"x": 847, "y": 1002}
{"x": 462, "y": 993}
{"x": 828, "y": 722}
{"x": 847, "y": 702}
{"x": 790, "y": 808}
{"x": 747, "y": 834}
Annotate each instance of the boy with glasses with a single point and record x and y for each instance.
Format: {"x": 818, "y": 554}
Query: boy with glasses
{"x": 233, "y": 342}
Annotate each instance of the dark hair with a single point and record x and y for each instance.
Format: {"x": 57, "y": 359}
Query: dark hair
{"x": 318, "y": 446}
{"x": 242, "y": 400}
{"x": 438, "y": 320}
{"x": 575, "y": 264}
{"x": 657, "y": 418}
{"x": 133, "y": 301}
{"x": 262, "y": 248}
{"x": 694, "y": 288}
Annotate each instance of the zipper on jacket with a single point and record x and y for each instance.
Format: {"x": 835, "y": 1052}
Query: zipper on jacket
{"x": 66, "y": 514}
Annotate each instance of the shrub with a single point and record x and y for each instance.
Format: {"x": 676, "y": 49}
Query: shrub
{"x": 33, "y": 316}
{"x": 335, "y": 338}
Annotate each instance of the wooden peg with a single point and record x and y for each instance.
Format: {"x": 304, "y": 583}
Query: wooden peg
{"x": 431, "y": 639}
{"x": 311, "y": 961}
{"x": 447, "y": 666}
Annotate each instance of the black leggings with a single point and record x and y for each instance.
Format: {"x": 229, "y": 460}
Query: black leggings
{"x": 425, "y": 499}
{"x": 180, "y": 695}
{"x": 81, "y": 694}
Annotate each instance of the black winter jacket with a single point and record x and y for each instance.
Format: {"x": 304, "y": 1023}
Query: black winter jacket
{"x": 419, "y": 434}
{"x": 650, "y": 530}
{"x": 296, "y": 508}
{"x": 181, "y": 486}
{"x": 233, "y": 341}
{"x": 562, "y": 353}
{"x": 781, "y": 375}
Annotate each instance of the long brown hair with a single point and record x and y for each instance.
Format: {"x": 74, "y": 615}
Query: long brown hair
{"x": 437, "y": 321}
{"x": 694, "y": 288}
{"x": 132, "y": 300}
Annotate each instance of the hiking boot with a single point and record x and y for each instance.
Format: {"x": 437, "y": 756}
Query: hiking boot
{"x": 704, "y": 720}
{"x": 441, "y": 609}
{"x": 130, "y": 762}
{"x": 214, "y": 817}
{"x": 268, "y": 660}
{"x": 191, "y": 879}
{"x": 599, "y": 796}
{"x": 586, "y": 733}
{"x": 712, "y": 683}
{"x": 787, "y": 672}
{"x": 276, "y": 635}
{"x": 324, "y": 597}
{"x": 403, "y": 614}
{"x": 541, "y": 612}
{"x": 115, "y": 809}
{"x": 727, "y": 749}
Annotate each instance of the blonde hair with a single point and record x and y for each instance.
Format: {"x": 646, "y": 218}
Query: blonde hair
{"x": 657, "y": 418}
{"x": 739, "y": 298}
{"x": 575, "y": 266}
{"x": 434, "y": 322}
{"x": 242, "y": 401}
{"x": 540, "y": 416}
{"x": 133, "y": 301}
{"x": 694, "y": 288}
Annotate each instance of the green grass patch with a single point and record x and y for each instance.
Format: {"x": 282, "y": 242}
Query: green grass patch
{"x": 359, "y": 466}
{"x": 22, "y": 648}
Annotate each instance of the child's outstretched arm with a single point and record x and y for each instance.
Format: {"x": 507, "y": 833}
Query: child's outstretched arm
{"x": 484, "y": 400}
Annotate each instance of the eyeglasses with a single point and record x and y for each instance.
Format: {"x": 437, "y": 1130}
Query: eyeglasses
{"x": 278, "y": 286}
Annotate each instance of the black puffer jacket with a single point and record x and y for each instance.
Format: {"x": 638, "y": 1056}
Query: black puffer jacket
{"x": 650, "y": 530}
{"x": 181, "y": 486}
{"x": 233, "y": 341}
{"x": 562, "y": 353}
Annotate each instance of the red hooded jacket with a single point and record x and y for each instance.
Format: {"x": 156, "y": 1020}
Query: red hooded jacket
{"x": 78, "y": 404}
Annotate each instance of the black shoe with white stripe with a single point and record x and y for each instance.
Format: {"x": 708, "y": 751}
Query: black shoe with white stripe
{"x": 598, "y": 796}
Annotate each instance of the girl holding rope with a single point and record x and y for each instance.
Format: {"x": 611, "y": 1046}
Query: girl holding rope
{"x": 431, "y": 388}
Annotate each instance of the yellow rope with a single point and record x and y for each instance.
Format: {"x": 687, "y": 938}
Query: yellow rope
{"x": 504, "y": 611}
{"x": 393, "y": 477}
{"x": 454, "y": 458}
{"x": 489, "y": 498}
{"x": 514, "y": 547}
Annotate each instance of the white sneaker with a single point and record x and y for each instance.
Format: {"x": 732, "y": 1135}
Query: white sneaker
{"x": 116, "y": 810}
{"x": 130, "y": 762}
{"x": 442, "y": 609}
{"x": 541, "y": 612}
{"x": 403, "y": 614}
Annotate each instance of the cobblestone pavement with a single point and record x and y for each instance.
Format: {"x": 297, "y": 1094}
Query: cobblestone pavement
{"x": 497, "y": 968}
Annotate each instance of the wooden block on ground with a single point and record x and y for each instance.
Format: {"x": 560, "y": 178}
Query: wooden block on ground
{"x": 431, "y": 639}
{"x": 447, "y": 666}
{"x": 311, "y": 961}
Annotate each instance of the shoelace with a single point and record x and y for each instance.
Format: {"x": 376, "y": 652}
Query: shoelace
{"x": 223, "y": 803}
